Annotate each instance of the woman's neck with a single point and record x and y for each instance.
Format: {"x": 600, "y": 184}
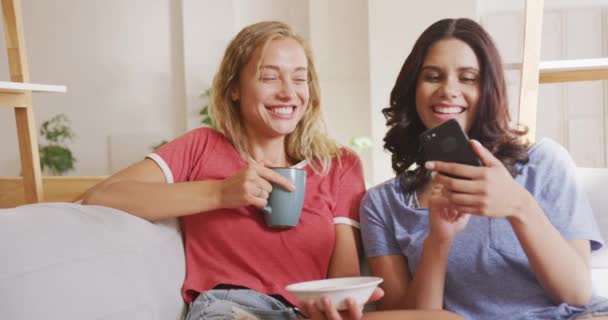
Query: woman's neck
{"x": 270, "y": 152}
{"x": 423, "y": 193}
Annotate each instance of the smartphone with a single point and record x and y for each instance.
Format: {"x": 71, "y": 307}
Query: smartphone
{"x": 449, "y": 143}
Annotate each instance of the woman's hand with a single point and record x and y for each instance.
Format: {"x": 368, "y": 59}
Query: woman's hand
{"x": 487, "y": 191}
{"x": 353, "y": 311}
{"x": 445, "y": 222}
{"x": 251, "y": 187}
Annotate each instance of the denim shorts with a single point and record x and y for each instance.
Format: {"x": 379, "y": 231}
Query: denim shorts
{"x": 239, "y": 304}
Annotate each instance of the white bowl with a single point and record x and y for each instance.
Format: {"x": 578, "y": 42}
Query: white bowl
{"x": 336, "y": 289}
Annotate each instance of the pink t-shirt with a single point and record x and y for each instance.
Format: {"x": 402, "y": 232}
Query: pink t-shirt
{"x": 234, "y": 246}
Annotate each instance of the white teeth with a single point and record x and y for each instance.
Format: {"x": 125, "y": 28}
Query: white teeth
{"x": 448, "y": 110}
{"x": 282, "y": 110}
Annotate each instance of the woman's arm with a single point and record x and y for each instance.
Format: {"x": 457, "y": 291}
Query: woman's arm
{"x": 142, "y": 190}
{"x": 564, "y": 276}
{"x": 347, "y": 247}
{"x": 394, "y": 270}
{"x": 562, "y": 267}
{"x": 427, "y": 285}
{"x": 345, "y": 258}
{"x": 424, "y": 290}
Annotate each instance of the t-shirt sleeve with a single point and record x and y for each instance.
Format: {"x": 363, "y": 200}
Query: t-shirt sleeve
{"x": 376, "y": 233}
{"x": 561, "y": 194}
{"x": 178, "y": 157}
{"x": 351, "y": 188}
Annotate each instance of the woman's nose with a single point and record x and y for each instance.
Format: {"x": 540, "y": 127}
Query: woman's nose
{"x": 449, "y": 89}
{"x": 287, "y": 90}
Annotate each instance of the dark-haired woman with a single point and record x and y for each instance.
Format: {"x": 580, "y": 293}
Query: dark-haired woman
{"x": 511, "y": 240}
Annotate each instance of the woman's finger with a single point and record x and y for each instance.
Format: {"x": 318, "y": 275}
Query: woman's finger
{"x": 459, "y": 185}
{"x": 311, "y": 311}
{"x": 253, "y": 189}
{"x": 470, "y": 210}
{"x": 271, "y": 176}
{"x": 330, "y": 311}
{"x": 376, "y": 295}
{"x": 355, "y": 311}
{"x": 258, "y": 202}
{"x": 438, "y": 202}
{"x": 265, "y": 185}
{"x": 467, "y": 200}
{"x": 486, "y": 157}
{"x": 455, "y": 169}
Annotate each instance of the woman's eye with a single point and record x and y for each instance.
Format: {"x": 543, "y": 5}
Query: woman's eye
{"x": 432, "y": 77}
{"x": 268, "y": 78}
{"x": 300, "y": 80}
{"x": 468, "y": 77}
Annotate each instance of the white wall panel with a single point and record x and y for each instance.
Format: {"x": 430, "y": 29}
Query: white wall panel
{"x": 584, "y": 143}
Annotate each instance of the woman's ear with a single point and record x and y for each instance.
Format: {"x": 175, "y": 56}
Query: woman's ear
{"x": 235, "y": 95}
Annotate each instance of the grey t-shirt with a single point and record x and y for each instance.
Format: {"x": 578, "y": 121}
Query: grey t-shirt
{"x": 488, "y": 274}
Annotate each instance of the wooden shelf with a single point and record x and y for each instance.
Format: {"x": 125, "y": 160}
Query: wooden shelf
{"x": 573, "y": 70}
{"x": 15, "y": 94}
{"x": 18, "y": 94}
{"x": 56, "y": 189}
{"x": 569, "y": 70}
{"x": 20, "y": 87}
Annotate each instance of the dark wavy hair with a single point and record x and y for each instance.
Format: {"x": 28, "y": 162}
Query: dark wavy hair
{"x": 491, "y": 125}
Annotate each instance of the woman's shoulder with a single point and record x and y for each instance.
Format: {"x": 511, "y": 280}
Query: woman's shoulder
{"x": 344, "y": 159}
{"x": 548, "y": 162}
{"x": 546, "y": 147}
{"x": 347, "y": 154}
{"x": 207, "y": 135}
{"x": 206, "y": 132}
{"x": 384, "y": 191}
{"x": 548, "y": 152}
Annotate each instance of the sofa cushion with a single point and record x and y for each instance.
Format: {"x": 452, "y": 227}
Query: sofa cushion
{"x": 595, "y": 183}
{"x": 70, "y": 261}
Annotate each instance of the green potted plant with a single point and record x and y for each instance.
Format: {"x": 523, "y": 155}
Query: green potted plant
{"x": 360, "y": 143}
{"x": 56, "y": 158}
{"x": 204, "y": 112}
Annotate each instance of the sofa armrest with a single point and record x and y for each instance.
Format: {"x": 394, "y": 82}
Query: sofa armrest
{"x": 70, "y": 261}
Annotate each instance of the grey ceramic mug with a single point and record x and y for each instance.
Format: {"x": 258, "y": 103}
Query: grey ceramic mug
{"x": 284, "y": 207}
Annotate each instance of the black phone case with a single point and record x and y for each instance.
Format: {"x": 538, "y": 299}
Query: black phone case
{"x": 448, "y": 142}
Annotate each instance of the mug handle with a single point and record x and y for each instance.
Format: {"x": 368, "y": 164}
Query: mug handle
{"x": 268, "y": 209}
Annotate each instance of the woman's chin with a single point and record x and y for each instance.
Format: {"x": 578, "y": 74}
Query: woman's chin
{"x": 282, "y": 131}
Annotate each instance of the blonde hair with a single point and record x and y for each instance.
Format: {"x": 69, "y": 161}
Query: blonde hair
{"x": 309, "y": 140}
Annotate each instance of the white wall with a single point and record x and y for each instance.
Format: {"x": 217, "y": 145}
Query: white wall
{"x": 338, "y": 32}
{"x": 294, "y": 12}
{"x": 485, "y": 7}
{"x": 208, "y": 26}
{"x": 116, "y": 58}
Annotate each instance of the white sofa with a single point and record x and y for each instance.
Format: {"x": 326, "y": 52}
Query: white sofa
{"x": 595, "y": 182}
{"x": 68, "y": 261}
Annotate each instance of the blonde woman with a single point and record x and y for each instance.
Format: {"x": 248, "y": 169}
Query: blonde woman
{"x": 266, "y": 105}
